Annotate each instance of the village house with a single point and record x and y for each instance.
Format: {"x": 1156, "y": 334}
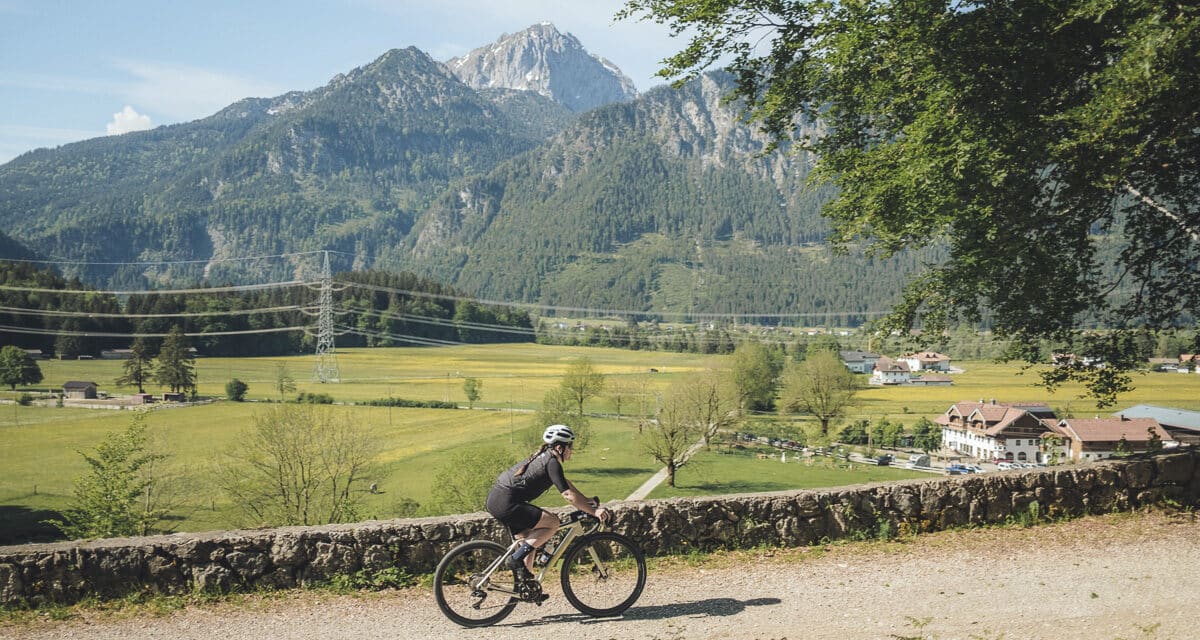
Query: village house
{"x": 1184, "y": 426}
{"x": 35, "y": 354}
{"x": 79, "y": 389}
{"x": 889, "y": 372}
{"x": 926, "y": 361}
{"x": 859, "y": 361}
{"x": 992, "y": 431}
{"x": 1189, "y": 363}
{"x": 1087, "y": 439}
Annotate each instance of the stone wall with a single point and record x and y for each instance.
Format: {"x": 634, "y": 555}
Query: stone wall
{"x": 288, "y": 557}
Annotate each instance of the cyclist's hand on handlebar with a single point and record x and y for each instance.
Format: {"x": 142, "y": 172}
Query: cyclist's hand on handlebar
{"x": 604, "y": 515}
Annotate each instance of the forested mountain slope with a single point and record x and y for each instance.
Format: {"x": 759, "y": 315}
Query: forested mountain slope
{"x": 666, "y": 202}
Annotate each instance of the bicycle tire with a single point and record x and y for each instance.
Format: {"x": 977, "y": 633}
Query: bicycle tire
{"x": 586, "y": 585}
{"x": 451, "y": 587}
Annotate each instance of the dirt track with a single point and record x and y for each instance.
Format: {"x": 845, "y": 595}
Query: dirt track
{"x": 1099, "y": 578}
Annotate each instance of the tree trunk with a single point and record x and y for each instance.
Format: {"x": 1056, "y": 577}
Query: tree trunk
{"x": 671, "y": 474}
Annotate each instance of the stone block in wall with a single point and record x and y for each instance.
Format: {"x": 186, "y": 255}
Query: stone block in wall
{"x": 165, "y": 573}
{"x": 1138, "y": 473}
{"x": 213, "y": 578}
{"x": 287, "y": 550}
{"x": 330, "y": 559}
{"x": 12, "y": 587}
{"x": 1176, "y": 469}
{"x": 248, "y": 565}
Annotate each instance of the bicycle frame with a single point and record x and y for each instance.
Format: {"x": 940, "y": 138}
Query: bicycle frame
{"x": 570, "y": 529}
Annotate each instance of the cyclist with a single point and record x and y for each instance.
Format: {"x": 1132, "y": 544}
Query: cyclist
{"x": 510, "y": 497}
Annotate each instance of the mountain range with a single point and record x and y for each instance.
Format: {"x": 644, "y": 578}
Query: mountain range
{"x": 528, "y": 170}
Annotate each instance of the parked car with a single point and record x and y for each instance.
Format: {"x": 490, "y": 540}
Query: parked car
{"x": 1005, "y": 466}
{"x": 972, "y": 468}
{"x": 884, "y": 460}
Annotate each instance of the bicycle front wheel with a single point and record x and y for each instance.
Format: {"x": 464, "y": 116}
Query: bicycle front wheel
{"x": 603, "y": 574}
{"x": 462, "y": 591}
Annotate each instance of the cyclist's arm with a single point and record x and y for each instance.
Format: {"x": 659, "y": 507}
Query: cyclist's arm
{"x": 574, "y": 496}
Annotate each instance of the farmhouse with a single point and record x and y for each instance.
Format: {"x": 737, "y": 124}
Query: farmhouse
{"x": 859, "y": 361}
{"x": 1189, "y": 362}
{"x": 1184, "y": 426}
{"x": 1084, "y": 439}
{"x": 926, "y": 361}
{"x": 995, "y": 431}
{"x": 79, "y": 389}
{"x": 889, "y": 372}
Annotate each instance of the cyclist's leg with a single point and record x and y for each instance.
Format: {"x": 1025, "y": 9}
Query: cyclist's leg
{"x": 537, "y": 535}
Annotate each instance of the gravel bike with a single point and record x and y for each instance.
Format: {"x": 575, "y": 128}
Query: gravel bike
{"x": 603, "y": 573}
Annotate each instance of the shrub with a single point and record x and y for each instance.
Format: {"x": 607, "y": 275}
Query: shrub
{"x": 314, "y": 398}
{"x": 236, "y": 390}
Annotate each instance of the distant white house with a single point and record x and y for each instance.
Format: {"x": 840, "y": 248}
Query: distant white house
{"x": 890, "y": 372}
{"x": 859, "y": 361}
{"x": 926, "y": 361}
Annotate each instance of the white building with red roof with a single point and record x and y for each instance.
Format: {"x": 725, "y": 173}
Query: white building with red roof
{"x": 889, "y": 372}
{"x": 991, "y": 430}
{"x": 926, "y": 361}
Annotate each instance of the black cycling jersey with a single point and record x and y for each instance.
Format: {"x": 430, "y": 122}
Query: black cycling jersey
{"x": 543, "y": 471}
{"x": 510, "y": 496}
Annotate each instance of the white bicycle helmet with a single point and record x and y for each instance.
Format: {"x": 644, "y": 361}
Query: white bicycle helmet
{"x": 558, "y": 433}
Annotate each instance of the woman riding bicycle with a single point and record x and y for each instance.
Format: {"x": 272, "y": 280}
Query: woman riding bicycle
{"x": 514, "y": 490}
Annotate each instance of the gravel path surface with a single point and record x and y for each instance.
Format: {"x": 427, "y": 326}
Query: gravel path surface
{"x": 1128, "y": 577}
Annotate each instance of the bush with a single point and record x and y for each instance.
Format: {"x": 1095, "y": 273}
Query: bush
{"x": 314, "y": 398}
{"x": 236, "y": 390}
{"x": 25, "y": 400}
{"x": 411, "y": 404}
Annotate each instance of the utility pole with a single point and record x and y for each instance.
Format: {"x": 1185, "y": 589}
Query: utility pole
{"x": 326, "y": 367}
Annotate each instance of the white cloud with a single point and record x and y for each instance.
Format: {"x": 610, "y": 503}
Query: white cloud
{"x": 184, "y": 93}
{"x": 127, "y": 120}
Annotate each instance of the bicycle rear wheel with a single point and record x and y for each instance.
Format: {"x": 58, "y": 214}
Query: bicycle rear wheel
{"x": 460, "y": 592}
{"x": 603, "y": 574}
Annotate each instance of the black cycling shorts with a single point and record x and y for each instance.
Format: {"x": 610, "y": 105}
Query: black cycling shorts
{"x": 518, "y": 517}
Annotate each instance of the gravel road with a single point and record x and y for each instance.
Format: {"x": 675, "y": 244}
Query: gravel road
{"x": 1102, "y": 578}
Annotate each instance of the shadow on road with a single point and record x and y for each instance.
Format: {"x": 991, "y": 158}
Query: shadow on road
{"x": 698, "y": 609}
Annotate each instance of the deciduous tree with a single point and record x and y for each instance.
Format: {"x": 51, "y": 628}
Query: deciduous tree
{"x": 18, "y": 368}
{"x": 119, "y": 495}
{"x": 299, "y": 464}
{"x": 821, "y": 386}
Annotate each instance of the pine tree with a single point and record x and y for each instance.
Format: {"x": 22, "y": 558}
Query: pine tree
{"x": 176, "y": 365}
{"x": 139, "y": 366}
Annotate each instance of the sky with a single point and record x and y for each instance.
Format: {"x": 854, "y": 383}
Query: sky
{"x": 72, "y": 70}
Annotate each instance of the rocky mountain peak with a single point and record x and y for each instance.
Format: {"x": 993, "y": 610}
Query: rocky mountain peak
{"x": 544, "y": 60}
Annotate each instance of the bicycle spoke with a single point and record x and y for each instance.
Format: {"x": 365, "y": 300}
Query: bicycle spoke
{"x": 604, "y": 574}
{"x": 463, "y": 591}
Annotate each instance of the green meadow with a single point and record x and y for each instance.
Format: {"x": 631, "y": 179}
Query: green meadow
{"x": 40, "y": 460}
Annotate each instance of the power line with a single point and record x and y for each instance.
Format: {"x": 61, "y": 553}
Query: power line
{"x": 64, "y": 261}
{"x": 191, "y": 314}
{"x": 428, "y": 342}
{"x": 147, "y": 292}
{"x": 102, "y": 334}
